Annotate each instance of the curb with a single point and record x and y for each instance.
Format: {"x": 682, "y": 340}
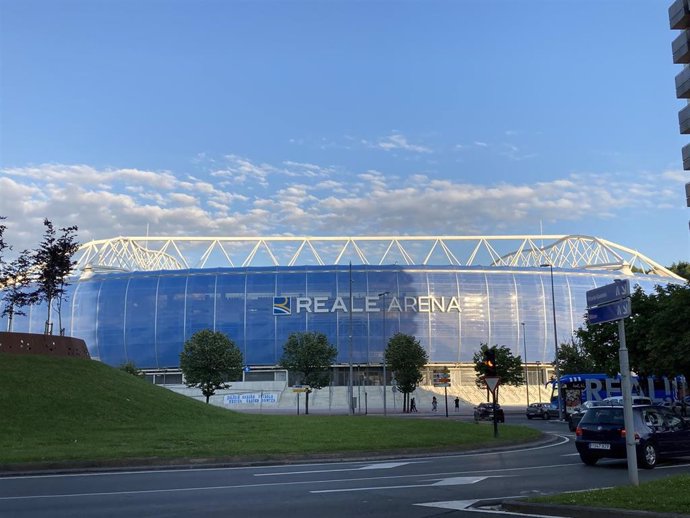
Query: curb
{"x": 579, "y": 511}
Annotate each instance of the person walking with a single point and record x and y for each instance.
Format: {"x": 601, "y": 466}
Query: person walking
{"x": 434, "y": 404}
{"x": 457, "y": 404}
{"x": 413, "y": 405}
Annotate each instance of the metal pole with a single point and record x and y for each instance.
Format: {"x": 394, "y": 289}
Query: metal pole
{"x": 350, "y": 403}
{"x": 524, "y": 343}
{"x": 385, "y": 383}
{"x": 555, "y": 340}
{"x": 627, "y": 407}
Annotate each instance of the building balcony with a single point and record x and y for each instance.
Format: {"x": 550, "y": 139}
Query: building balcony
{"x": 679, "y": 15}
{"x": 681, "y": 48}
{"x": 686, "y": 157}
{"x": 683, "y": 84}
{"x": 684, "y": 120}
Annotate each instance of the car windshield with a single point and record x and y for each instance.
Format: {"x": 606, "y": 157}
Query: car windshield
{"x": 603, "y": 415}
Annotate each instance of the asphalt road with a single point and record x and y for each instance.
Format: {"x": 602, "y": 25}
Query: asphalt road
{"x": 416, "y": 487}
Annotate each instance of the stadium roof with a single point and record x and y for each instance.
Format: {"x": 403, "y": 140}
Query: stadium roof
{"x": 149, "y": 253}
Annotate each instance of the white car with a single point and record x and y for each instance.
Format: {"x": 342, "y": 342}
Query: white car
{"x": 618, "y": 400}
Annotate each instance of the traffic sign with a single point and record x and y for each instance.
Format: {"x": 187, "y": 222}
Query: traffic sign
{"x": 301, "y": 388}
{"x": 609, "y": 293}
{"x": 615, "y": 311}
{"x": 442, "y": 378}
{"x": 492, "y": 382}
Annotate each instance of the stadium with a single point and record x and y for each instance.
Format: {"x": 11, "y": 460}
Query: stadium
{"x": 139, "y": 299}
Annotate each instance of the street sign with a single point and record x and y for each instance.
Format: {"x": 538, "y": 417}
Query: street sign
{"x": 301, "y": 388}
{"x": 616, "y": 311}
{"x": 492, "y": 382}
{"x": 608, "y": 293}
{"x": 442, "y": 378}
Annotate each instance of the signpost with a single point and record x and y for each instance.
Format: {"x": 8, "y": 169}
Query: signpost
{"x": 606, "y": 304}
{"x": 299, "y": 389}
{"x": 442, "y": 379}
{"x": 492, "y": 383}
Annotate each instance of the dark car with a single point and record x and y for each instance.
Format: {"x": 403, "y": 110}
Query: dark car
{"x": 658, "y": 433}
{"x": 541, "y": 410}
{"x": 486, "y": 411}
{"x": 575, "y": 416}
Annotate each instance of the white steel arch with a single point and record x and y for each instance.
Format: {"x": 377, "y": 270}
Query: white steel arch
{"x": 146, "y": 253}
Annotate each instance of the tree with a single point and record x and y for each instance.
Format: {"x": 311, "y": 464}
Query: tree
{"x": 15, "y": 280}
{"x": 509, "y": 368}
{"x": 681, "y": 268}
{"x": 53, "y": 261}
{"x": 573, "y": 357}
{"x": 311, "y": 356}
{"x": 209, "y": 359}
{"x": 407, "y": 358}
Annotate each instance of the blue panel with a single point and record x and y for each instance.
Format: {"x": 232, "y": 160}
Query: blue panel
{"x": 260, "y": 346}
{"x": 475, "y": 313}
{"x": 201, "y": 303}
{"x": 444, "y": 325}
{"x": 140, "y": 336}
{"x": 170, "y": 322}
{"x": 230, "y": 309}
{"x": 503, "y": 308}
{"x": 291, "y": 285}
{"x": 111, "y": 320}
{"x": 531, "y": 308}
{"x": 85, "y": 314}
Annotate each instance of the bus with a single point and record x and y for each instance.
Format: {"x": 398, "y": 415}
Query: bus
{"x": 578, "y": 388}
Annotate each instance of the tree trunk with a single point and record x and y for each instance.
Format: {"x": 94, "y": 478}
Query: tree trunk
{"x": 306, "y": 402}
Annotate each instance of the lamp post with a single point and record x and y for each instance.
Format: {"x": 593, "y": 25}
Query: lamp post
{"x": 524, "y": 343}
{"x": 349, "y": 381}
{"x": 385, "y": 386}
{"x": 555, "y": 340}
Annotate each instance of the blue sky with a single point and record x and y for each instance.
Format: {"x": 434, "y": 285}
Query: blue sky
{"x": 342, "y": 118}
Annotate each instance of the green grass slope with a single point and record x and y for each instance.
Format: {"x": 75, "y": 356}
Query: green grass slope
{"x": 68, "y": 409}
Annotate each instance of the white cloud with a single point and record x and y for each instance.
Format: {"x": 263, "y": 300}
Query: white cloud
{"x": 398, "y": 141}
{"x": 110, "y": 202}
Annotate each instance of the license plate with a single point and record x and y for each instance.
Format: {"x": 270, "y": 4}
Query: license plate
{"x": 599, "y": 446}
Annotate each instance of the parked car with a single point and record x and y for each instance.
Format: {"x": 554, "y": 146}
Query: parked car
{"x": 486, "y": 411}
{"x": 658, "y": 433}
{"x": 636, "y": 400}
{"x": 575, "y": 416}
{"x": 542, "y": 410}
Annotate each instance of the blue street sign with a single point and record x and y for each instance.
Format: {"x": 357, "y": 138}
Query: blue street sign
{"x": 615, "y": 311}
{"x": 608, "y": 293}
{"x": 247, "y": 368}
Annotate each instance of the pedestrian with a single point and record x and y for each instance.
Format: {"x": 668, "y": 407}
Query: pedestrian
{"x": 413, "y": 405}
{"x": 457, "y": 404}
{"x": 434, "y": 404}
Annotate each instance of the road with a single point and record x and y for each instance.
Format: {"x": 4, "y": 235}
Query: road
{"x": 417, "y": 487}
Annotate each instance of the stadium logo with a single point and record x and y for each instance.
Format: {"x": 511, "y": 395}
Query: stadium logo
{"x": 368, "y": 304}
{"x": 281, "y": 306}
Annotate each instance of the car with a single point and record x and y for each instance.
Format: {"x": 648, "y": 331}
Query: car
{"x": 636, "y": 400}
{"x": 542, "y": 410}
{"x": 659, "y": 433}
{"x": 577, "y": 413}
{"x": 486, "y": 411}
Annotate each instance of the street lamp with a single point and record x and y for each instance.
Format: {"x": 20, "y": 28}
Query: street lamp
{"x": 384, "y": 349}
{"x": 524, "y": 343}
{"x": 555, "y": 340}
{"x": 350, "y": 394}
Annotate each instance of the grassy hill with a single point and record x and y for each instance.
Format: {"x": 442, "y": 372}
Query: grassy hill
{"x": 68, "y": 409}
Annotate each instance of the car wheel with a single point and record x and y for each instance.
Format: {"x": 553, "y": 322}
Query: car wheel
{"x": 546, "y": 416}
{"x": 648, "y": 458}
{"x": 529, "y": 417}
{"x": 588, "y": 458}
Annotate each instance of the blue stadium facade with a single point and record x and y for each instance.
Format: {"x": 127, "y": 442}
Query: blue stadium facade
{"x": 146, "y": 316}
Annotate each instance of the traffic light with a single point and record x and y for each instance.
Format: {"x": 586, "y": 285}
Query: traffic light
{"x": 490, "y": 362}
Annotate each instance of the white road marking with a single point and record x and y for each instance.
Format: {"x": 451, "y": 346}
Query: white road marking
{"x": 457, "y": 505}
{"x": 382, "y": 465}
{"x": 454, "y": 481}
